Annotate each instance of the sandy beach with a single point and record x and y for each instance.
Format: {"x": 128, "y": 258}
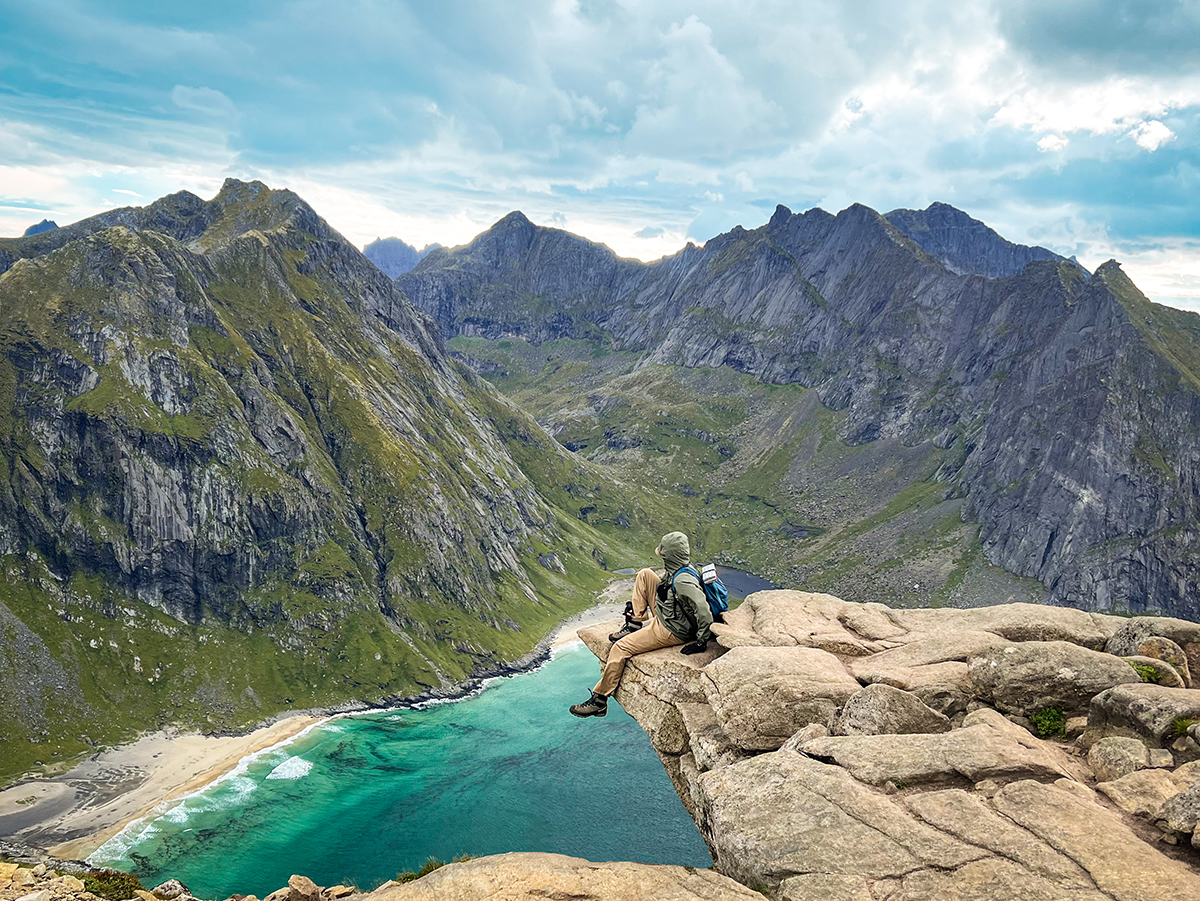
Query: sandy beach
{"x": 74, "y": 814}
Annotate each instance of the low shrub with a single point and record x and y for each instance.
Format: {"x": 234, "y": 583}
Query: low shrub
{"x": 1049, "y": 722}
{"x": 112, "y": 884}
{"x": 1147, "y": 672}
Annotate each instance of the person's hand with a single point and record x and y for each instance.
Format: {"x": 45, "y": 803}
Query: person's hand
{"x": 696, "y": 647}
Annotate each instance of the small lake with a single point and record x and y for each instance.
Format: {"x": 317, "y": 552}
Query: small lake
{"x": 361, "y": 798}
{"x": 739, "y": 582}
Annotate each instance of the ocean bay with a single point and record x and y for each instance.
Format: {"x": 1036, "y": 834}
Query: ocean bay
{"x": 357, "y": 799}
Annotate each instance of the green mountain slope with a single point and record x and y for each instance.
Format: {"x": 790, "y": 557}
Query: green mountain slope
{"x": 239, "y": 474}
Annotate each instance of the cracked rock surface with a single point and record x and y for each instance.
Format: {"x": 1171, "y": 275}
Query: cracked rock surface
{"x": 935, "y": 782}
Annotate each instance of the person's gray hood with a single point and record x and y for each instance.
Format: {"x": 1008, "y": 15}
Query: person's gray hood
{"x": 674, "y": 550}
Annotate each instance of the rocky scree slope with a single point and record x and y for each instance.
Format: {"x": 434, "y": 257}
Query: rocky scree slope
{"x": 828, "y": 749}
{"x": 1064, "y": 406}
{"x": 239, "y": 473}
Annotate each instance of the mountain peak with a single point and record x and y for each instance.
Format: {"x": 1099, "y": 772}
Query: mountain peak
{"x": 44, "y": 226}
{"x": 515, "y": 219}
{"x": 963, "y": 244}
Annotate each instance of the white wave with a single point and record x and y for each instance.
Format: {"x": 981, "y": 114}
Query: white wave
{"x": 292, "y": 768}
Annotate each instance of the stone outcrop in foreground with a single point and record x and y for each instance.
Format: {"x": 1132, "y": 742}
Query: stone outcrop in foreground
{"x": 833, "y": 750}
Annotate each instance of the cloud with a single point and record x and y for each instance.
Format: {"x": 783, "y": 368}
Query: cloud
{"x": 1072, "y": 123}
{"x": 1151, "y": 135}
{"x": 1052, "y": 143}
{"x": 201, "y": 100}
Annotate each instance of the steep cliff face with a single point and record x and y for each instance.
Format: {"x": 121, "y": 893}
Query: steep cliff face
{"x": 238, "y": 472}
{"x": 1062, "y": 403}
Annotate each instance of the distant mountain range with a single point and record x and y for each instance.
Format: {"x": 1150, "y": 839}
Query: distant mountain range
{"x": 1057, "y": 410}
{"x": 394, "y": 256}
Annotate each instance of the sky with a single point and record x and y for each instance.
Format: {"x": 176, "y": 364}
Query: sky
{"x": 1065, "y": 123}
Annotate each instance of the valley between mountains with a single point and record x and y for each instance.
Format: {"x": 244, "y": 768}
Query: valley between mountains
{"x": 244, "y": 471}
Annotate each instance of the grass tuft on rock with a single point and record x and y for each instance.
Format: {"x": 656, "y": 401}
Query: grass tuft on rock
{"x": 431, "y": 864}
{"x": 1147, "y": 672}
{"x": 1049, "y": 722}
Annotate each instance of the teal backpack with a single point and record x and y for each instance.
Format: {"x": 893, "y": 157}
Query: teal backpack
{"x": 715, "y": 591}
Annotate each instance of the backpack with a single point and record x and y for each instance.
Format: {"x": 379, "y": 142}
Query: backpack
{"x": 715, "y": 591}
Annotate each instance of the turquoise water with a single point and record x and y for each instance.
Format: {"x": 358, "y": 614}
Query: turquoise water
{"x": 361, "y": 798}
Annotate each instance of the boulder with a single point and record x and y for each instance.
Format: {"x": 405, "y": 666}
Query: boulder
{"x": 69, "y": 883}
{"x": 883, "y": 710}
{"x": 170, "y": 890}
{"x": 1140, "y": 793}
{"x": 950, "y": 677}
{"x": 1119, "y": 863}
{"x": 803, "y": 737}
{"x": 965, "y": 816}
{"x": 40, "y": 895}
{"x": 923, "y": 649}
{"x": 945, "y": 700}
{"x": 870, "y": 621}
{"x": 1117, "y": 756}
{"x": 539, "y": 876}
{"x": 23, "y": 877}
{"x": 781, "y": 814}
{"x": 1164, "y": 673}
{"x": 989, "y": 880}
{"x": 1127, "y": 641}
{"x": 1033, "y": 675}
{"x": 763, "y": 696}
{"x": 987, "y": 747}
{"x": 1150, "y": 712}
{"x": 1158, "y": 647}
{"x": 301, "y": 888}
{"x": 710, "y": 746}
{"x": 824, "y": 887}
{"x": 1182, "y": 810}
{"x": 1016, "y": 622}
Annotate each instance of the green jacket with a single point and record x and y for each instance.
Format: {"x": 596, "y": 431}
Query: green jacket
{"x": 685, "y": 611}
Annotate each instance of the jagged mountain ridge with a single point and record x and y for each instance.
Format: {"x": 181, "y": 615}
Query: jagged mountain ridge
{"x": 1069, "y": 422}
{"x": 965, "y": 245}
{"x": 394, "y": 256}
{"x": 224, "y": 428}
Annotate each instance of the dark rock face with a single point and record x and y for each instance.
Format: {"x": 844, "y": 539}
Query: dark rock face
{"x": 395, "y": 257}
{"x": 965, "y": 245}
{"x": 44, "y": 226}
{"x": 1069, "y": 404}
{"x": 207, "y": 399}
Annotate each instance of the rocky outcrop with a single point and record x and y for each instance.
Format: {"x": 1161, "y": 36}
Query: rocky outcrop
{"x": 983, "y": 801}
{"x": 537, "y": 877}
{"x": 965, "y": 245}
{"x": 1062, "y": 406}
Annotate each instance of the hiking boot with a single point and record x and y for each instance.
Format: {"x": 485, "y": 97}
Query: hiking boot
{"x": 628, "y": 629}
{"x": 596, "y": 705}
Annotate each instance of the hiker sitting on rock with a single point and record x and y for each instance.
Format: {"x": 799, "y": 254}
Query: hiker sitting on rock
{"x": 681, "y": 616}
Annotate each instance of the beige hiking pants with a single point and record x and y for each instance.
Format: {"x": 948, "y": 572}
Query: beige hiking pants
{"x": 647, "y": 638}
{"x": 645, "y": 584}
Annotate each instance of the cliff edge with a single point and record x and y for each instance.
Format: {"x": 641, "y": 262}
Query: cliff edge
{"x": 828, "y": 749}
